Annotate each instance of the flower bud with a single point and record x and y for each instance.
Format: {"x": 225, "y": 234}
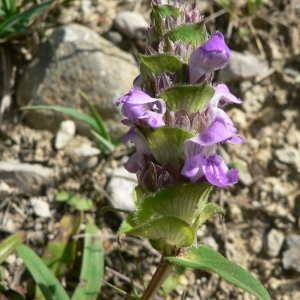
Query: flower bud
{"x": 209, "y": 57}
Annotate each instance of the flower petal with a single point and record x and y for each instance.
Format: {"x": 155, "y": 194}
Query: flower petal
{"x": 211, "y": 56}
{"x": 217, "y": 132}
{"x": 217, "y": 172}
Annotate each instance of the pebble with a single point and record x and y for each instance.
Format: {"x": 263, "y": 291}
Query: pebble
{"x": 120, "y": 187}
{"x": 234, "y": 213}
{"x": 291, "y": 257}
{"x": 131, "y": 24}
{"x": 242, "y": 67}
{"x": 238, "y": 117}
{"x": 64, "y": 134}
{"x": 4, "y": 190}
{"x": 87, "y": 156}
{"x": 87, "y": 150}
{"x": 25, "y": 176}
{"x": 256, "y": 243}
{"x": 273, "y": 242}
{"x": 211, "y": 242}
{"x": 245, "y": 177}
{"x": 288, "y": 155}
{"x": 40, "y": 207}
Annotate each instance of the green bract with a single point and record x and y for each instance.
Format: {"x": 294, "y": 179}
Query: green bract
{"x": 162, "y": 139}
{"x": 157, "y": 64}
{"x": 192, "y": 98}
{"x": 194, "y": 33}
{"x": 171, "y": 216}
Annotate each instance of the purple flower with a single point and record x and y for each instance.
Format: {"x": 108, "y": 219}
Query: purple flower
{"x": 221, "y": 98}
{"x": 209, "y": 166}
{"x": 201, "y": 159}
{"x": 217, "y": 172}
{"x": 137, "y": 105}
{"x": 209, "y": 57}
{"x": 137, "y": 159}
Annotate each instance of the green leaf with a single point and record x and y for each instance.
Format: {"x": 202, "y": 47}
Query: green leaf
{"x": 62, "y": 196}
{"x": 128, "y": 224}
{"x": 162, "y": 11}
{"x": 205, "y": 258}
{"x": 157, "y": 64}
{"x": 183, "y": 201}
{"x": 81, "y": 203}
{"x": 166, "y": 143}
{"x": 138, "y": 194}
{"x": 7, "y": 245}
{"x": 106, "y": 146}
{"x": 48, "y": 283}
{"x": 92, "y": 268}
{"x": 209, "y": 210}
{"x": 102, "y": 128}
{"x": 171, "y": 230}
{"x": 6, "y": 27}
{"x": 70, "y": 111}
{"x": 60, "y": 251}
{"x": 106, "y": 209}
{"x": 192, "y": 98}
{"x": 195, "y": 33}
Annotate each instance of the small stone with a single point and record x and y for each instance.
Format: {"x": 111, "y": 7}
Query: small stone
{"x": 254, "y": 144}
{"x": 288, "y": 155}
{"x": 114, "y": 37}
{"x": 4, "y": 190}
{"x": 120, "y": 188}
{"x": 238, "y": 117}
{"x": 87, "y": 156}
{"x": 11, "y": 259}
{"x": 235, "y": 213}
{"x": 273, "y": 242}
{"x": 211, "y": 242}
{"x": 256, "y": 243}
{"x": 10, "y": 225}
{"x": 291, "y": 257}
{"x": 23, "y": 175}
{"x": 87, "y": 150}
{"x": 131, "y": 24}
{"x": 242, "y": 67}
{"x": 64, "y": 134}
{"x": 40, "y": 207}
{"x": 245, "y": 177}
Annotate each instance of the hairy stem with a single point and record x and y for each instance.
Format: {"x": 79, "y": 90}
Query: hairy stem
{"x": 163, "y": 269}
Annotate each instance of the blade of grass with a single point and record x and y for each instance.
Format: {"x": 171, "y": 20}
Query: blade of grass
{"x": 7, "y": 246}
{"x": 92, "y": 268}
{"x": 102, "y": 128}
{"x": 26, "y": 15}
{"x": 67, "y": 110}
{"x": 106, "y": 146}
{"x": 48, "y": 283}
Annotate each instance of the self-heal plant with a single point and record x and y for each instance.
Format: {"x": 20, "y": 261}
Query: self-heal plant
{"x": 176, "y": 119}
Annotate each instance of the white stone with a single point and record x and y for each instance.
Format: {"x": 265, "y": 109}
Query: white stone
{"x": 242, "y": 67}
{"x": 40, "y": 207}
{"x": 291, "y": 257}
{"x": 87, "y": 150}
{"x": 25, "y": 176}
{"x": 131, "y": 24}
{"x": 273, "y": 242}
{"x": 64, "y": 134}
{"x": 120, "y": 187}
{"x": 288, "y": 155}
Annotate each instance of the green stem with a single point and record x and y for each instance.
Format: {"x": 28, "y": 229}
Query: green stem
{"x": 163, "y": 269}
